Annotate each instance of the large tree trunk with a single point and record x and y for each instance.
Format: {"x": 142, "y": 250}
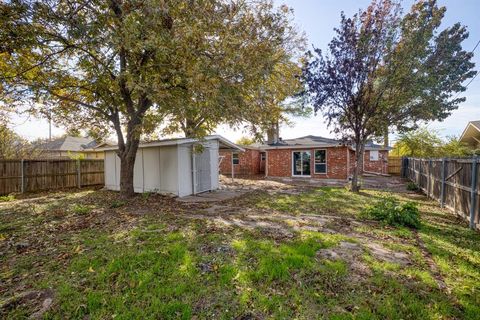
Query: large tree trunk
{"x": 385, "y": 138}
{"x": 358, "y": 168}
{"x": 127, "y": 153}
{"x": 127, "y": 163}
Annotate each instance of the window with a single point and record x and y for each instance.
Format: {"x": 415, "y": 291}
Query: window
{"x": 320, "y": 161}
{"x": 235, "y": 159}
{"x": 301, "y": 163}
{"x": 262, "y": 156}
{"x": 373, "y": 155}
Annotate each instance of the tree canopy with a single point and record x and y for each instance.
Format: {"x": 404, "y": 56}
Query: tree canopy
{"x": 245, "y": 141}
{"x": 385, "y": 69}
{"x": 127, "y": 65}
{"x": 427, "y": 143}
{"x": 13, "y": 146}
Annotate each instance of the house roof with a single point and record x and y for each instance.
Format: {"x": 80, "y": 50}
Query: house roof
{"x": 373, "y": 146}
{"x": 311, "y": 141}
{"x": 471, "y": 133}
{"x": 69, "y": 143}
{"x": 225, "y": 144}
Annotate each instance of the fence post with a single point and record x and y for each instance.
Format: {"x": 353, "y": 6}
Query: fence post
{"x": 419, "y": 182}
{"x": 79, "y": 174}
{"x": 429, "y": 177}
{"x": 22, "y": 176}
{"x": 473, "y": 192}
{"x": 442, "y": 189}
{"x": 403, "y": 169}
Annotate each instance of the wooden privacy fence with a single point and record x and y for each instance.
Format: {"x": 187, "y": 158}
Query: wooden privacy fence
{"x": 455, "y": 183}
{"x": 36, "y": 175}
{"x": 394, "y": 165}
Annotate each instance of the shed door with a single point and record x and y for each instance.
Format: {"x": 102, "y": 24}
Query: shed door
{"x": 203, "y": 174}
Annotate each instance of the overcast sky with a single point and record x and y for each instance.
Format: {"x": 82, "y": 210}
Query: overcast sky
{"x": 317, "y": 18}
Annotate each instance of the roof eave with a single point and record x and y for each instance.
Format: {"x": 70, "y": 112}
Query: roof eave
{"x": 306, "y": 146}
{"x": 229, "y": 145}
{"x": 463, "y": 136}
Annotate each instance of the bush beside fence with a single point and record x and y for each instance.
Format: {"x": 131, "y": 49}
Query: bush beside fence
{"x": 455, "y": 183}
{"x": 37, "y": 175}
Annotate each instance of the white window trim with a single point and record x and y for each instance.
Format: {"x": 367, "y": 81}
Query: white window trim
{"x": 326, "y": 162}
{"x": 293, "y": 164}
{"x": 238, "y": 158}
{"x": 370, "y": 155}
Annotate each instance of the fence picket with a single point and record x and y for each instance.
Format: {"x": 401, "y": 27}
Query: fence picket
{"x": 473, "y": 196}
{"x": 442, "y": 192}
{"x": 36, "y": 175}
{"x": 458, "y": 180}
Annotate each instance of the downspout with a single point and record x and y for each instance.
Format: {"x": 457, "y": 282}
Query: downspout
{"x": 348, "y": 163}
{"x": 233, "y": 166}
{"x": 266, "y": 163}
{"x": 194, "y": 171}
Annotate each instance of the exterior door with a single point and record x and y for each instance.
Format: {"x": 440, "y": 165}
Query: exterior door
{"x": 203, "y": 171}
{"x": 301, "y": 163}
{"x": 263, "y": 157}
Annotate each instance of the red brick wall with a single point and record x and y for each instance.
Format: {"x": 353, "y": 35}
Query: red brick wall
{"x": 380, "y": 166}
{"x": 249, "y": 162}
{"x": 279, "y": 163}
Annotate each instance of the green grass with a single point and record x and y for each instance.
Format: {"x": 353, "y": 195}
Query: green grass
{"x": 326, "y": 200}
{"x": 81, "y": 209}
{"x": 7, "y": 198}
{"x": 114, "y": 263}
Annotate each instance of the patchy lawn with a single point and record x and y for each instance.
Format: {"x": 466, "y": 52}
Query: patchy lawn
{"x": 279, "y": 253}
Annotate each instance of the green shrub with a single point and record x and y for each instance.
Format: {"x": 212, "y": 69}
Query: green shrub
{"x": 7, "y": 198}
{"x": 146, "y": 195}
{"x": 117, "y": 204}
{"x": 392, "y": 212}
{"x": 412, "y": 186}
{"x": 80, "y": 209}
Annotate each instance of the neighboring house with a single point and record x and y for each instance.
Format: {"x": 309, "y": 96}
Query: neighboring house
{"x": 471, "y": 134}
{"x": 70, "y": 147}
{"x": 173, "y": 166}
{"x": 309, "y": 156}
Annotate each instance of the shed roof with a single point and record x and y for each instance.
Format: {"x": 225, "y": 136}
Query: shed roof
{"x": 225, "y": 144}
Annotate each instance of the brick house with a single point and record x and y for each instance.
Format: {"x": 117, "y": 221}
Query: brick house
{"x": 251, "y": 162}
{"x": 310, "y": 157}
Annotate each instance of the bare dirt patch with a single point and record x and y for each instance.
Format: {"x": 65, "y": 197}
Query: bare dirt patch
{"x": 38, "y": 302}
{"x": 384, "y": 254}
{"x": 352, "y": 254}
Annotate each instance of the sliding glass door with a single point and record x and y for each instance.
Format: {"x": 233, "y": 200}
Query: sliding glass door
{"x": 301, "y": 163}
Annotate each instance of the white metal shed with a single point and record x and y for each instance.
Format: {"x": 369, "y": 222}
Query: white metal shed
{"x": 171, "y": 166}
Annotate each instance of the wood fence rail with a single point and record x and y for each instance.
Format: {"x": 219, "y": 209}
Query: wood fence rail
{"x": 455, "y": 183}
{"x": 37, "y": 175}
